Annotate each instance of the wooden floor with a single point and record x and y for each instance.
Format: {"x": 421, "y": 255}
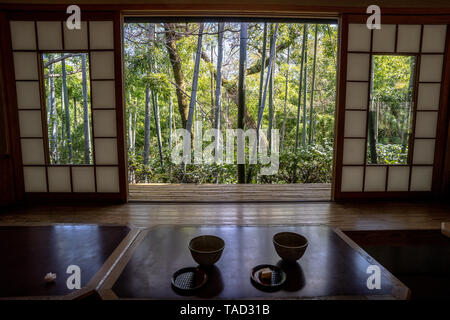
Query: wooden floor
{"x": 230, "y": 192}
{"x": 347, "y": 216}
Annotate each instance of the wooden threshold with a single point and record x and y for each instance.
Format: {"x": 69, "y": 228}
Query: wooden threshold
{"x": 361, "y": 215}
{"x": 229, "y": 192}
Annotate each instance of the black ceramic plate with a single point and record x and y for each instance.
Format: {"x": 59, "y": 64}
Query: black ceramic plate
{"x": 277, "y": 280}
{"x": 189, "y": 279}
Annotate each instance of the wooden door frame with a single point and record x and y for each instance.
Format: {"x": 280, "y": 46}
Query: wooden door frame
{"x": 252, "y": 14}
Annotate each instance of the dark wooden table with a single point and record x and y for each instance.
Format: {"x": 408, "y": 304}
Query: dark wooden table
{"x": 28, "y": 253}
{"x": 332, "y": 267}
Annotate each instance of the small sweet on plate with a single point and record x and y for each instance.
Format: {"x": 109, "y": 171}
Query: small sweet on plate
{"x": 265, "y": 274}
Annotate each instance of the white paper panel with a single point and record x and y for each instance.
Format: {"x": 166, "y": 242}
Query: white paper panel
{"x": 356, "y": 95}
{"x": 375, "y": 179}
{"x": 107, "y": 179}
{"x": 352, "y": 179}
{"x": 103, "y": 94}
{"x": 101, "y": 34}
{"x": 23, "y": 35}
{"x": 358, "y": 37}
{"x": 102, "y": 65}
{"x": 30, "y": 123}
{"x": 428, "y": 96}
{"x": 408, "y": 39}
{"x": 49, "y": 35}
{"x": 76, "y": 39}
{"x": 59, "y": 179}
{"x": 32, "y": 151}
{"x": 34, "y": 179}
{"x": 431, "y": 67}
{"x": 358, "y": 66}
{"x": 434, "y": 38}
{"x": 426, "y": 124}
{"x": 106, "y": 151}
{"x": 25, "y": 66}
{"x": 83, "y": 179}
{"x": 105, "y": 123}
{"x": 384, "y": 38}
{"x": 421, "y": 178}
{"x": 398, "y": 179}
{"x": 353, "y": 151}
{"x": 355, "y": 124}
{"x": 423, "y": 151}
{"x": 28, "y": 96}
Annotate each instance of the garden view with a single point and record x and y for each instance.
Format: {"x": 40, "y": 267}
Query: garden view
{"x": 228, "y": 75}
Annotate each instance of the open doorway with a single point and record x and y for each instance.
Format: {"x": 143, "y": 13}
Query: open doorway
{"x": 255, "y": 133}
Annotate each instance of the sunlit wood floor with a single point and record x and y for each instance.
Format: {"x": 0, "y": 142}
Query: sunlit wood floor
{"x": 348, "y": 216}
{"x": 230, "y": 192}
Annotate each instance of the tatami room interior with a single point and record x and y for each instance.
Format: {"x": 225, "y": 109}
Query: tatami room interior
{"x": 412, "y": 195}
{"x": 30, "y": 176}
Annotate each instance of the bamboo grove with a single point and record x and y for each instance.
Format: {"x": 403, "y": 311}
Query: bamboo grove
{"x": 230, "y": 75}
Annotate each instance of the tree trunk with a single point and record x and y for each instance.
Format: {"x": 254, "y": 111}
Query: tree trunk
{"x": 218, "y": 94}
{"x": 241, "y": 91}
{"x": 130, "y": 121}
{"x": 175, "y": 60}
{"x": 211, "y": 88}
{"x": 251, "y": 168}
{"x": 227, "y": 113}
{"x": 170, "y": 121}
{"x": 134, "y": 128}
{"x": 66, "y": 110}
{"x": 75, "y": 115}
{"x": 286, "y": 87}
{"x": 87, "y": 141}
{"x": 147, "y": 125}
{"x": 157, "y": 125}
{"x": 311, "y": 101}
{"x": 49, "y": 98}
{"x": 148, "y": 98}
{"x": 263, "y": 67}
{"x": 193, "y": 100}
{"x": 63, "y": 118}
{"x": 305, "y": 87}
{"x": 407, "y": 105}
{"x": 300, "y": 88}
{"x": 372, "y": 142}
{"x": 371, "y": 129}
{"x": 53, "y": 117}
{"x": 271, "y": 89}
{"x": 130, "y": 128}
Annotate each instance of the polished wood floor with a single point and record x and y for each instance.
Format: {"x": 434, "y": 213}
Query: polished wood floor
{"x": 230, "y": 192}
{"x": 347, "y": 216}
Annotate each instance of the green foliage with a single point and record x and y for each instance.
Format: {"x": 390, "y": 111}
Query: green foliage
{"x": 312, "y": 164}
{"x": 391, "y": 154}
{"x": 56, "y": 122}
{"x": 392, "y": 87}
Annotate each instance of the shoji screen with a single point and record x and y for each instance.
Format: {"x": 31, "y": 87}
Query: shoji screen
{"x": 100, "y": 39}
{"x": 426, "y": 42}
